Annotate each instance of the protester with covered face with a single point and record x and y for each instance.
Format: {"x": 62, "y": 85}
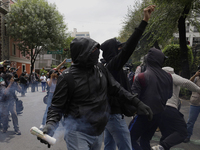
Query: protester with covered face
{"x": 154, "y": 87}
{"x": 87, "y": 112}
{"x": 116, "y": 55}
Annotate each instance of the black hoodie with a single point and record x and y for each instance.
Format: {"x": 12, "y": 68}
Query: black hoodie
{"x": 158, "y": 84}
{"x": 89, "y": 110}
{"x": 116, "y": 59}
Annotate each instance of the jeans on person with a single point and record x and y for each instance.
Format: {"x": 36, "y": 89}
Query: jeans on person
{"x": 76, "y": 140}
{"x": 117, "y": 134}
{"x": 43, "y": 86}
{"x": 193, "y": 115}
{"x": 5, "y": 108}
{"x": 50, "y": 96}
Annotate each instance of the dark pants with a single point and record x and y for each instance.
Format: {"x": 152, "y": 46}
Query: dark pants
{"x": 33, "y": 87}
{"x": 23, "y": 86}
{"x": 173, "y": 128}
{"x": 144, "y": 129}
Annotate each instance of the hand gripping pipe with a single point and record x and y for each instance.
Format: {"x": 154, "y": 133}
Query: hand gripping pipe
{"x": 46, "y": 137}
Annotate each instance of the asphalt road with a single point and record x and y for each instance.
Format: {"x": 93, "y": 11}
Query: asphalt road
{"x": 32, "y": 116}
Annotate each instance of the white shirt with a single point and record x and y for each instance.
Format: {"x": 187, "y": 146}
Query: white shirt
{"x": 43, "y": 79}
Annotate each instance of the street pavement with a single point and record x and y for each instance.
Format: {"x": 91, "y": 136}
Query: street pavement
{"x": 32, "y": 116}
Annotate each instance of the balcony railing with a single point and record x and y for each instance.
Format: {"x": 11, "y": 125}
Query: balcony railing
{"x": 4, "y": 6}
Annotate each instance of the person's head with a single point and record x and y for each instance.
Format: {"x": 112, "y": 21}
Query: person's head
{"x": 84, "y": 52}
{"x": 62, "y": 68}
{"x": 42, "y": 74}
{"x": 111, "y": 48}
{"x": 155, "y": 58}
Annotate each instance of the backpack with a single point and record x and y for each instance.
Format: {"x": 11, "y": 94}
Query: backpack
{"x": 19, "y": 106}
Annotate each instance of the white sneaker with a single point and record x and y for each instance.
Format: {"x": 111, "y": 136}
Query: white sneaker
{"x": 157, "y": 147}
{"x": 41, "y": 127}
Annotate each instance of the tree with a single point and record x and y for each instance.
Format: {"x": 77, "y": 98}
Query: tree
{"x": 36, "y": 26}
{"x": 173, "y": 51}
{"x": 170, "y": 16}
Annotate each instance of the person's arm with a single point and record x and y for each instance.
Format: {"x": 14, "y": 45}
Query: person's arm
{"x": 58, "y": 105}
{"x": 182, "y": 82}
{"x": 9, "y": 86}
{"x": 119, "y": 61}
{"x": 114, "y": 88}
{"x": 58, "y": 67}
{"x": 195, "y": 75}
{"x": 50, "y": 81}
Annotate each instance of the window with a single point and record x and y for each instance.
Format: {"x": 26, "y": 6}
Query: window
{"x": 23, "y": 67}
{"x": 196, "y": 40}
{"x": 80, "y": 34}
{"x": 14, "y": 49}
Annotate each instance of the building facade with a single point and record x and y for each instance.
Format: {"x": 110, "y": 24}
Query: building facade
{"x": 79, "y": 34}
{"x": 8, "y": 47}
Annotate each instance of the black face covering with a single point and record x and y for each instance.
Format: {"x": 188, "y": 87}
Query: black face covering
{"x": 93, "y": 58}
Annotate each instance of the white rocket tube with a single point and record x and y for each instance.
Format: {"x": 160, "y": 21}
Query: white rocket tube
{"x": 46, "y": 137}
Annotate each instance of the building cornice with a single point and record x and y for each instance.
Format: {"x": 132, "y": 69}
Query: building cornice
{"x": 17, "y": 59}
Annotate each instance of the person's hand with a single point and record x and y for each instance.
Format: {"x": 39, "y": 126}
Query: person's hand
{"x": 48, "y": 129}
{"x": 147, "y": 12}
{"x": 143, "y": 109}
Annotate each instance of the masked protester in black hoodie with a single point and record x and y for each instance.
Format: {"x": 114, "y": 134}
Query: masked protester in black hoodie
{"x": 154, "y": 87}
{"x": 116, "y": 55}
{"x": 88, "y": 109}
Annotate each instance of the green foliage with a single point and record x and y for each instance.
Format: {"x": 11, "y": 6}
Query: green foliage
{"x": 43, "y": 71}
{"x": 67, "y": 54}
{"x": 172, "y": 51}
{"x": 36, "y": 25}
{"x": 185, "y": 93}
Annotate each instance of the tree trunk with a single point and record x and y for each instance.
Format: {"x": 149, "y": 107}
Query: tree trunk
{"x": 183, "y": 44}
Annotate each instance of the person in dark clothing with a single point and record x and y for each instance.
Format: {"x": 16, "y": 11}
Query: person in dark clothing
{"x": 23, "y": 83}
{"x": 116, "y": 55}
{"x": 88, "y": 109}
{"x": 154, "y": 87}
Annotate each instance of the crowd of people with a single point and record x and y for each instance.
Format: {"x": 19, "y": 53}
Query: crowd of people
{"x": 89, "y": 97}
{"x": 10, "y": 83}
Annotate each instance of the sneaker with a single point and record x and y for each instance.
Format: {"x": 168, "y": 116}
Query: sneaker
{"x": 157, "y": 147}
{"x": 186, "y": 140}
{"x": 18, "y": 132}
{"x": 41, "y": 127}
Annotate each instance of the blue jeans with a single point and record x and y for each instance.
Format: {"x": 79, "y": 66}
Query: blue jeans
{"x": 117, "y": 134}
{"x": 43, "y": 86}
{"x": 79, "y": 141}
{"x": 50, "y": 96}
{"x": 193, "y": 115}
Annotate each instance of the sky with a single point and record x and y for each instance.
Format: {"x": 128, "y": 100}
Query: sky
{"x": 103, "y": 19}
